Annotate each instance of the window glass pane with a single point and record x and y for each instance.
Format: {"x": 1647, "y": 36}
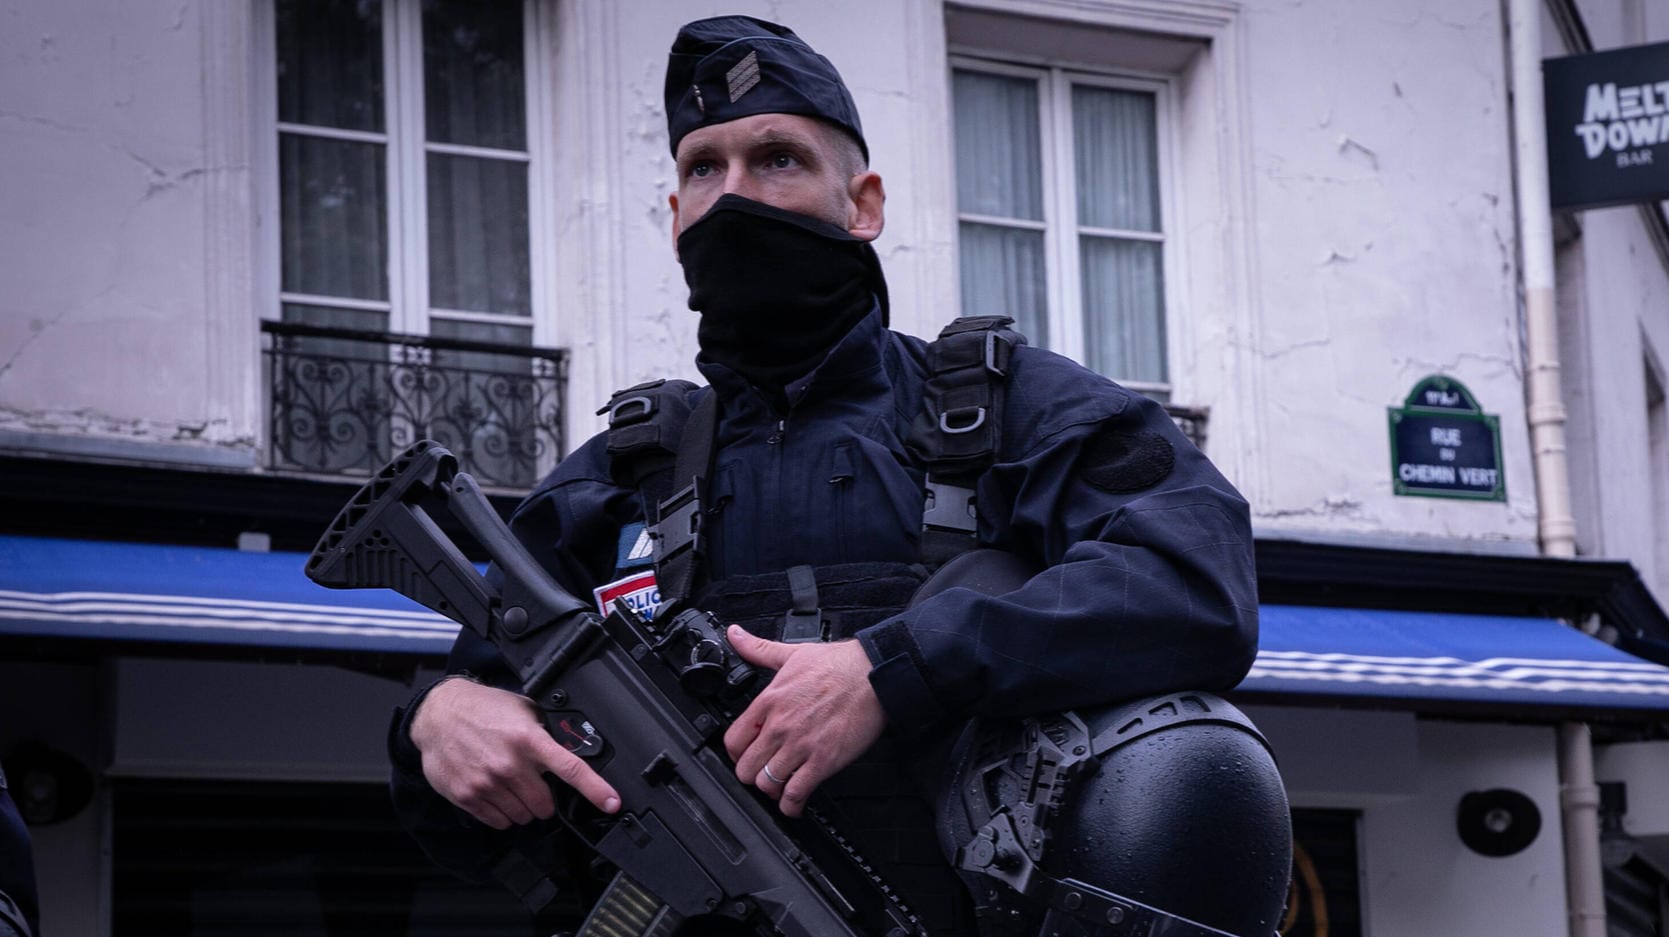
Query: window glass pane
{"x": 472, "y": 73}
{"x": 496, "y": 333}
{"x": 478, "y": 254}
{"x": 333, "y": 197}
{"x": 1124, "y": 321}
{"x": 999, "y": 168}
{"x": 1003, "y": 274}
{"x": 330, "y": 63}
{"x": 359, "y": 320}
{"x": 490, "y": 408}
{"x": 1116, "y": 149}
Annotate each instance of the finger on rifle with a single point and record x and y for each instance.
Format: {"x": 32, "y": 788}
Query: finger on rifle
{"x": 758, "y": 651}
{"x": 491, "y": 815}
{"x": 572, "y": 770}
{"x": 798, "y": 789}
{"x": 742, "y": 733}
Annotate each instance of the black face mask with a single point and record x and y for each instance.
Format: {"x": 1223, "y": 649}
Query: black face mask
{"x": 775, "y": 289}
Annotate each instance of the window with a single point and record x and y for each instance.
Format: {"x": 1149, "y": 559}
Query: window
{"x": 310, "y": 859}
{"x": 1061, "y": 211}
{"x": 391, "y": 187}
{"x": 406, "y": 167}
{"x": 1325, "y": 894}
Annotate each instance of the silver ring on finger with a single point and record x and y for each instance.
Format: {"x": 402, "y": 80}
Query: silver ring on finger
{"x": 772, "y": 775}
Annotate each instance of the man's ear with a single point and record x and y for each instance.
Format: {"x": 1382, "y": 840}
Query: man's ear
{"x": 672, "y": 200}
{"x": 867, "y": 216}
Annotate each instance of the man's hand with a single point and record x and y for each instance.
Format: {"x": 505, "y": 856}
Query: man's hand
{"x": 485, "y": 750}
{"x": 817, "y": 715}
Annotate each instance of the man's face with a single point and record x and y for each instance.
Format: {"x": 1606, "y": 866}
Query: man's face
{"x": 783, "y": 160}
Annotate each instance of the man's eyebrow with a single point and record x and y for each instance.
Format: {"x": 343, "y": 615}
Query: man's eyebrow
{"x": 777, "y": 137}
{"x": 697, "y": 151}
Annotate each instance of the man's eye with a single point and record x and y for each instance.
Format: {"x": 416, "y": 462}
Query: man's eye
{"x": 783, "y": 161}
{"x": 701, "y": 170}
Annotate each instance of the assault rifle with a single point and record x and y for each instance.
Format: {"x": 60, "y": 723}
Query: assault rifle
{"x": 644, "y": 702}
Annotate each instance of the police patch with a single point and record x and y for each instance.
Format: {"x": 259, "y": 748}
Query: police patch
{"x": 636, "y": 549}
{"x": 1125, "y": 462}
{"x": 639, "y": 591}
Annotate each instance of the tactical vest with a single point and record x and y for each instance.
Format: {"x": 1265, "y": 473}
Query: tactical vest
{"x": 663, "y": 446}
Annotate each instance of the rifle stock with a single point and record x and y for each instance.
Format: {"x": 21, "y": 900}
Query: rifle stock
{"x": 643, "y": 701}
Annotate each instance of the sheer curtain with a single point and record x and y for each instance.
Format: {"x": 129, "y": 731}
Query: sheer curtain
{"x": 473, "y": 86}
{"x": 999, "y": 177}
{"x": 333, "y": 191}
{"x": 1115, "y": 150}
{"x": 328, "y": 409}
{"x": 474, "y": 96}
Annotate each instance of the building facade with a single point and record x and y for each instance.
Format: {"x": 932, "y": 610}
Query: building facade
{"x": 250, "y": 249}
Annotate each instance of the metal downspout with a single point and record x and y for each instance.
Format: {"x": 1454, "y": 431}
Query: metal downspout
{"x": 1579, "y": 796}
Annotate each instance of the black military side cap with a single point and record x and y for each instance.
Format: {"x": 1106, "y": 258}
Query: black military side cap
{"x": 728, "y": 67}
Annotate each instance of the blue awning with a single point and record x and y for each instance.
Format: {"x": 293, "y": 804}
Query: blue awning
{"x": 216, "y": 598}
{"x": 145, "y": 593}
{"x": 1483, "y": 662}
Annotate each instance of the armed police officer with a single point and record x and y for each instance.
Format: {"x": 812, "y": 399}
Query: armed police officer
{"x": 814, "y": 453}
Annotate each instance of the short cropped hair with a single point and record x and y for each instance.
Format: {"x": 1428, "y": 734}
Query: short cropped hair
{"x": 848, "y": 154}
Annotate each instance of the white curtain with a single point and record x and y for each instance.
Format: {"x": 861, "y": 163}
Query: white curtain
{"x": 478, "y": 252}
{"x": 473, "y": 90}
{"x": 334, "y": 193}
{"x": 1115, "y": 149}
{"x": 999, "y": 174}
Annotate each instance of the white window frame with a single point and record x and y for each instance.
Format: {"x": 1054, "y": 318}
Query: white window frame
{"x": 408, "y": 307}
{"x": 1064, "y": 290}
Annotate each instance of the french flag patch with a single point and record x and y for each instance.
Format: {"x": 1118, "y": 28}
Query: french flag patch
{"x": 638, "y": 590}
{"x": 636, "y": 548}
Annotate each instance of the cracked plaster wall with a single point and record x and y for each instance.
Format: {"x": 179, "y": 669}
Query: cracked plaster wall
{"x": 103, "y": 302}
{"x": 1385, "y": 252}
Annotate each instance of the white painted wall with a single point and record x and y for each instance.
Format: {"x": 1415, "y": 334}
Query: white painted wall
{"x": 1406, "y": 776}
{"x": 1422, "y": 880}
{"x": 1384, "y": 253}
{"x": 117, "y": 124}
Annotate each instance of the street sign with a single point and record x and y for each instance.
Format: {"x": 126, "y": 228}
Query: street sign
{"x": 1444, "y": 446}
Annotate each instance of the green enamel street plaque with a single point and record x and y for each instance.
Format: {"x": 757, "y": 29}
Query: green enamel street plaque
{"x": 1444, "y": 446}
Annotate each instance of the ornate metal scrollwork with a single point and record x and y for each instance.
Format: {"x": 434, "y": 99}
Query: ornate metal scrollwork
{"x": 343, "y": 401}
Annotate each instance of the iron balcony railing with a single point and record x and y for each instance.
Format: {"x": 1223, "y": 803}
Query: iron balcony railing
{"x": 1191, "y": 420}
{"x": 343, "y": 402}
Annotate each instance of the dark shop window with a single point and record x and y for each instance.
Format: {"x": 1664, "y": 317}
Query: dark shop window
{"x": 1326, "y": 896}
{"x": 237, "y": 859}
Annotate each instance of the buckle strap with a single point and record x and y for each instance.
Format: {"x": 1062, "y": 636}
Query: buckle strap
{"x": 680, "y": 542}
{"x": 989, "y": 351}
{"x": 956, "y": 435}
{"x": 645, "y": 423}
{"x": 804, "y": 621}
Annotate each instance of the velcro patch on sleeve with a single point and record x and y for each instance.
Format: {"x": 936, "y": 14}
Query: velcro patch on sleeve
{"x": 1123, "y": 462}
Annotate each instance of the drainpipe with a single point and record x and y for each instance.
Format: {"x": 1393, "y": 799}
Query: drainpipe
{"x": 1579, "y": 796}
